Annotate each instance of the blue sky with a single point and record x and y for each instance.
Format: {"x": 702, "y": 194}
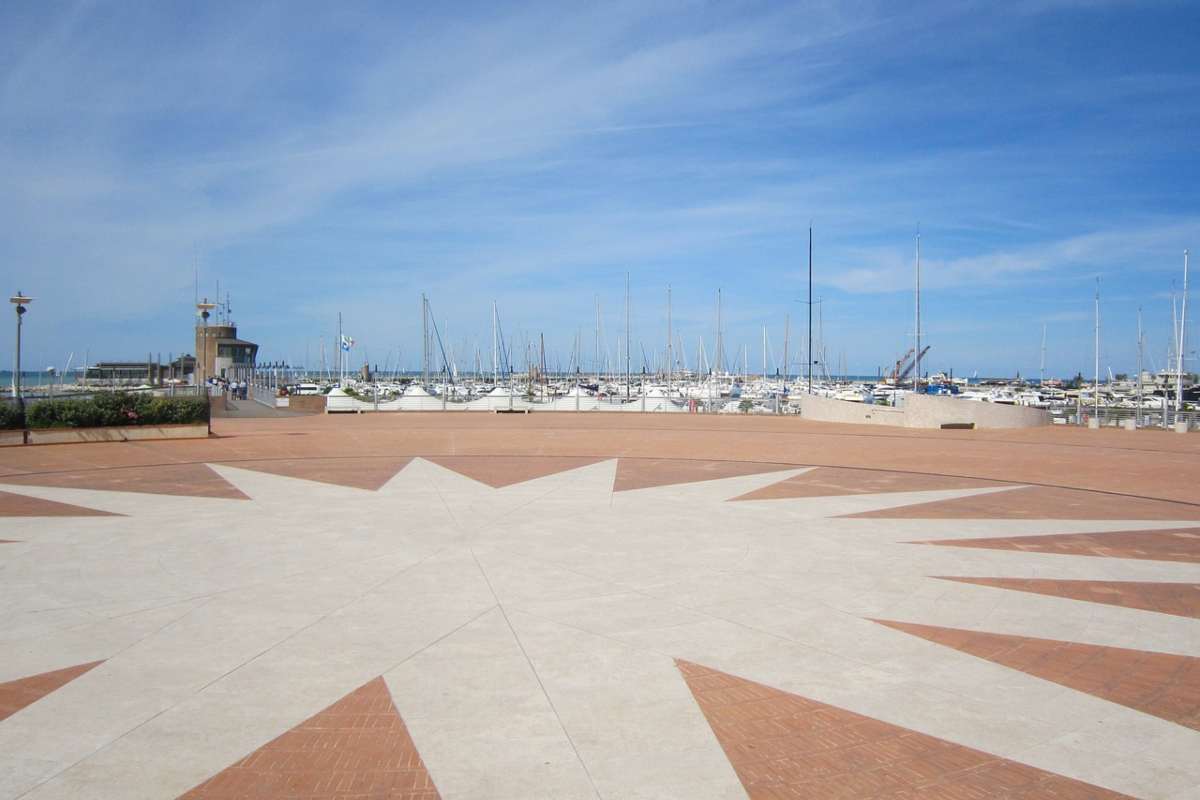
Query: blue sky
{"x": 348, "y": 157}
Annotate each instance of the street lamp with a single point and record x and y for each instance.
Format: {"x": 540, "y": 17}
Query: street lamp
{"x": 202, "y": 310}
{"x": 20, "y": 301}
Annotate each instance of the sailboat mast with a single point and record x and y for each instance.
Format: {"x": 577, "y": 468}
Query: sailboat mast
{"x": 1182, "y": 339}
{"x": 720, "y": 355}
{"x": 787, "y": 332}
{"x": 810, "y": 304}
{"x": 627, "y": 335}
{"x": 1141, "y": 367}
{"x": 425, "y": 340}
{"x": 917, "y": 379}
{"x": 495, "y": 348}
{"x": 1042, "y": 379}
{"x": 1096, "y": 383}
{"x": 764, "y": 348}
{"x": 821, "y": 343}
{"x": 669, "y": 346}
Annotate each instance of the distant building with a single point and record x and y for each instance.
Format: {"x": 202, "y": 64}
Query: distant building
{"x": 138, "y": 373}
{"x": 125, "y": 373}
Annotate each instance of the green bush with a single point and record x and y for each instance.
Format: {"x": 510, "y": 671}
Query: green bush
{"x": 10, "y": 417}
{"x": 116, "y": 409}
{"x": 177, "y": 410}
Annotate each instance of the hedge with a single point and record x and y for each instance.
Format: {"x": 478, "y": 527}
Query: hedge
{"x": 10, "y": 417}
{"x": 116, "y": 409}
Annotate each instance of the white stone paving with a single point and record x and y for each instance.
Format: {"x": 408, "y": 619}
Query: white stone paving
{"x": 527, "y": 633}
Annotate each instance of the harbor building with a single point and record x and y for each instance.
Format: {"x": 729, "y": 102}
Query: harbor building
{"x": 222, "y": 354}
{"x": 151, "y": 372}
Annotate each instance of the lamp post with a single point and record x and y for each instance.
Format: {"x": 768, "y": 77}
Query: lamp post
{"x": 20, "y": 301}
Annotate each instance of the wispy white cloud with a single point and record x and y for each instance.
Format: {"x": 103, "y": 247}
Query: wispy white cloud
{"x": 536, "y": 154}
{"x": 1149, "y": 247}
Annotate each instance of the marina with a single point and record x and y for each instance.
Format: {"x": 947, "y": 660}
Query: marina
{"x": 623, "y": 401}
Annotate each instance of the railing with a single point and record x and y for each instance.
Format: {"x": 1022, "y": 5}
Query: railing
{"x": 1115, "y": 416}
{"x": 92, "y": 391}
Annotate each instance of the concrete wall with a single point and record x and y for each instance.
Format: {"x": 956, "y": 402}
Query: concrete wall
{"x": 826, "y": 409}
{"x": 924, "y": 411}
{"x": 307, "y": 403}
{"x": 12, "y": 438}
{"x": 930, "y": 411}
{"x": 131, "y": 433}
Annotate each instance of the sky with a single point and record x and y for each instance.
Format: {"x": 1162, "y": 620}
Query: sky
{"x": 317, "y": 158}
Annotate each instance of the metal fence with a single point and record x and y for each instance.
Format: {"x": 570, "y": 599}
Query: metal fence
{"x": 92, "y": 391}
{"x": 1116, "y": 417}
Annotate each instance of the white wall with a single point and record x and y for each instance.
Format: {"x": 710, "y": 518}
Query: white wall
{"x": 930, "y": 411}
{"x": 826, "y": 409}
{"x": 924, "y": 411}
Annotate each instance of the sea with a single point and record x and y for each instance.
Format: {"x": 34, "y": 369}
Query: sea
{"x": 34, "y": 378}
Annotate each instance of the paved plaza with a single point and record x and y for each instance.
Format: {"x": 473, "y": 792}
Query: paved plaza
{"x": 614, "y": 606}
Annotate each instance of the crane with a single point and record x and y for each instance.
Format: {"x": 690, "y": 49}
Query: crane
{"x": 907, "y": 363}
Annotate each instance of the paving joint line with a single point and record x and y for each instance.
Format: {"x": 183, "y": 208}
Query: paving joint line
{"x": 536, "y": 676}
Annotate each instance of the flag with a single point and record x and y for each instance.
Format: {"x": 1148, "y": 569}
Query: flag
{"x": 347, "y": 343}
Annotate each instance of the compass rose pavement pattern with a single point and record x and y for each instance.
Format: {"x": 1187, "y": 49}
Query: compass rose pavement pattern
{"x": 578, "y": 625}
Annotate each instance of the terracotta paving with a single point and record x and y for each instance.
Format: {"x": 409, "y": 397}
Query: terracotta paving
{"x": 18, "y": 505}
{"x": 359, "y": 473}
{"x": 1147, "y": 463}
{"x": 780, "y": 745}
{"x": 15, "y": 695}
{"x": 193, "y": 480}
{"x": 834, "y": 481}
{"x": 1179, "y": 599}
{"x": 1177, "y": 544}
{"x": 356, "y": 748}
{"x": 641, "y": 473}
{"x": 1040, "y": 502}
{"x": 499, "y": 471}
{"x": 1162, "y": 684}
{"x": 783, "y": 745}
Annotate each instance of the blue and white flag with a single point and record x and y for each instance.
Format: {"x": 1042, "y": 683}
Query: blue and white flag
{"x": 347, "y": 342}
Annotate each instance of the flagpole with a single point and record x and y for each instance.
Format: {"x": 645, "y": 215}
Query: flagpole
{"x": 341, "y": 353}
